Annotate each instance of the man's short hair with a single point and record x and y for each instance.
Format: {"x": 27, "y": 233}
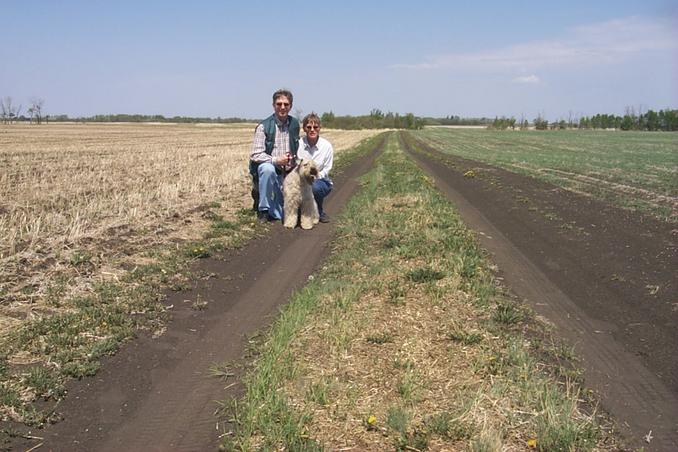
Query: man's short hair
{"x": 283, "y": 92}
{"x": 311, "y": 117}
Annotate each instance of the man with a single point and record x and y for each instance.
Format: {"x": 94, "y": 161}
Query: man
{"x": 276, "y": 140}
{"x": 313, "y": 146}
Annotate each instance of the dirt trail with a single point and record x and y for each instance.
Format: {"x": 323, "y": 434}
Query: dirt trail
{"x": 157, "y": 394}
{"x": 593, "y": 271}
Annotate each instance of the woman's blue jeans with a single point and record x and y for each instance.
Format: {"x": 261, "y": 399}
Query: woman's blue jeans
{"x": 321, "y": 188}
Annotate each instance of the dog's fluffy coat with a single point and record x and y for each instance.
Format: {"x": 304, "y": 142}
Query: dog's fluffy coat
{"x": 299, "y": 203}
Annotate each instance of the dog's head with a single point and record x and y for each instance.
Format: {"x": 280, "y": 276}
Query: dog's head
{"x": 307, "y": 170}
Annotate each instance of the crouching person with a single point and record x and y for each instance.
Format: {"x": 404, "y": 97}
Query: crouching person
{"x": 318, "y": 149}
{"x": 275, "y": 145}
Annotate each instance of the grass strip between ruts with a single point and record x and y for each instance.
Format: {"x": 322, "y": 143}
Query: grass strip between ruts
{"x": 404, "y": 340}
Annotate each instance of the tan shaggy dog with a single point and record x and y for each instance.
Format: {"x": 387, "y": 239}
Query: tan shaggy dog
{"x": 298, "y": 196}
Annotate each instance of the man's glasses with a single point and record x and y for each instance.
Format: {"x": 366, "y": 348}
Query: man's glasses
{"x": 312, "y": 127}
{"x": 282, "y": 104}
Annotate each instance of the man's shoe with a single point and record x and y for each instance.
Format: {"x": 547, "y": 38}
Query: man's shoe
{"x": 262, "y": 216}
{"x": 324, "y": 218}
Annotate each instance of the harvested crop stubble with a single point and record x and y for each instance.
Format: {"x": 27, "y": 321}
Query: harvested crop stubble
{"x": 76, "y": 198}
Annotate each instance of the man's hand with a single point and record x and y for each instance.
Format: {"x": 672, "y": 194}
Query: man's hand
{"x": 280, "y": 160}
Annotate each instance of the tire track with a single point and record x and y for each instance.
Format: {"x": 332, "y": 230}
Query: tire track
{"x": 629, "y": 390}
{"x": 157, "y": 394}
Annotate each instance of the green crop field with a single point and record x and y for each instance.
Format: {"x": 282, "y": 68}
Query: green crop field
{"x": 637, "y": 170}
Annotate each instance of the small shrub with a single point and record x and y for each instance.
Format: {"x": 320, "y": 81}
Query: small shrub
{"x": 507, "y": 314}
{"x": 408, "y": 387}
{"x": 396, "y": 293}
{"x": 397, "y": 420}
{"x": 4, "y": 367}
{"x": 424, "y": 274}
{"x": 558, "y": 429}
{"x": 45, "y": 383}
{"x": 198, "y": 252}
{"x": 9, "y": 397}
{"x": 224, "y": 225}
{"x": 465, "y": 338}
{"x": 80, "y": 258}
{"x": 417, "y": 440}
{"x": 380, "y": 338}
{"x": 444, "y": 425}
{"x": 79, "y": 370}
{"x": 405, "y": 365}
{"x": 487, "y": 441}
{"x": 319, "y": 393}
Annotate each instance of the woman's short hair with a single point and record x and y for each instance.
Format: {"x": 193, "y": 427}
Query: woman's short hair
{"x": 311, "y": 117}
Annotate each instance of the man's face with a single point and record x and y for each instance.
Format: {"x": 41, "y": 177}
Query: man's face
{"x": 312, "y": 130}
{"x": 282, "y": 106}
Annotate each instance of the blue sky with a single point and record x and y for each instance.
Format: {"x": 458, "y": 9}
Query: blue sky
{"x": 431, "y": 58}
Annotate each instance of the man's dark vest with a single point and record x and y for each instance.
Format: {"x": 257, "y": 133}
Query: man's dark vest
{"x": 269, "y": 141}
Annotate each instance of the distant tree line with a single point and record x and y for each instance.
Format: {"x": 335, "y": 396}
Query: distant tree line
{"x": 150, "y": 118}
{"x": 504, "y": 123}
{"x": 456, "y": 120}
{"x": 375, "y": 120}
{"x": 663, "y": 120}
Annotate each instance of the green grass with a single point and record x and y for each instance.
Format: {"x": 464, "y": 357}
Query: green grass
{"x": 465, "y": 338}
{"x": 319, "y": 392}
{"x": 643, "y": 165}
{"x": 424, "y": 274}
{"x": 446, "y": 425}
{"x": 398, "y": 420}
{"x": 380, "y": 338}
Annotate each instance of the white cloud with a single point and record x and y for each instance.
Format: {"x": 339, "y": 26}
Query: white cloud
{"x": 527, "y": 79}
{"x": 607, "y": 42}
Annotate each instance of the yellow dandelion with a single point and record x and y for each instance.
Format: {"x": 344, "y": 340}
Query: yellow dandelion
{"x": 372, "y": 419}
{"x": 532, "y": 443}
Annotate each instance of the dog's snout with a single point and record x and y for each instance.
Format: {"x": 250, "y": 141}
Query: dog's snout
{"x": 314, "y": 171}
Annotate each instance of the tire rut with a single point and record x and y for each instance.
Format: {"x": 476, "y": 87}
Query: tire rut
{"x": 157, "y": 394}
{"x": 628, "y": 388}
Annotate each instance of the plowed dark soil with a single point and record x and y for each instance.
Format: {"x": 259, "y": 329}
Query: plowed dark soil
{"x": 603, "y": 276}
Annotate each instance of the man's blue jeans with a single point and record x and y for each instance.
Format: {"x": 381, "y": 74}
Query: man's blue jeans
{"x": 321, "y": 188}
{"x": 270, "y": 191}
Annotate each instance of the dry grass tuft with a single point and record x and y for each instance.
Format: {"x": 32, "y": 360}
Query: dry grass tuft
{"x": 417, "y": 370}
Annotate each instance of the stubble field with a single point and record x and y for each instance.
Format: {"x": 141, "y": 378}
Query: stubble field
{"x": 82, "y": 202}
